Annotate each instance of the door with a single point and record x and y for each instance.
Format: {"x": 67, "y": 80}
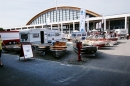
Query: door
{"x": 42, "y": 37}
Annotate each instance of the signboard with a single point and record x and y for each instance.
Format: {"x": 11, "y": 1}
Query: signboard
{"x": 27, "y": 49}
{"x": 82, "y": 20}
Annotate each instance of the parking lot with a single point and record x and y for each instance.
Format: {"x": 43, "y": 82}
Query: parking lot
{"x": 110, "y": 67}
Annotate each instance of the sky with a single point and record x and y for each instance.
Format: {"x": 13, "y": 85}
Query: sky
{"x": 16, "y": 13}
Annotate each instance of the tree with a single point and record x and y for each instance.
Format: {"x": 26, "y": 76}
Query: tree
{"x": 1, "y": 29}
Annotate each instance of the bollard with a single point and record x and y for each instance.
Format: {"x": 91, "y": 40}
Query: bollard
{"x": 79, "y": 46}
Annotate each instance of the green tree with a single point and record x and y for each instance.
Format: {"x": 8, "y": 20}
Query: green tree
{"x": 1, "y": 29}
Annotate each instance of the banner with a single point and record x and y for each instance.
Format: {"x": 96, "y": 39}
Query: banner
{"x": 97, "y": 25}
{"x": 82, "y": 20}
{"x": 27, "y": 49}
{"x": 100, "y": 24}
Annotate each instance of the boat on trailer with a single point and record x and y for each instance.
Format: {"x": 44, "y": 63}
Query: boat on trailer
{"x": 97, "y": 41}
{"x": 58, "y": 49}
{"x": 86, "y": 49}
{"x": 111, "y": 40}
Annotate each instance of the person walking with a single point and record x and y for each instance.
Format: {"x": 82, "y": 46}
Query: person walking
{"x": 127, "y": 36}
{"x": 1, "y": 41}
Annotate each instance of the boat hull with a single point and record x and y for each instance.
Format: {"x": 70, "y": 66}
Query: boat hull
{"x": 86, "y": 50}
{"x": 16, "y": 49}
{"x": 58, "y": 53}
{"x": 112, "y": 41}
{"x": 96, "y": 43}
{"x": 99, "y": 45}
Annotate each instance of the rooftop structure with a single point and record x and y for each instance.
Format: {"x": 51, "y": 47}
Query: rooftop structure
{"x": 67, "y": 18}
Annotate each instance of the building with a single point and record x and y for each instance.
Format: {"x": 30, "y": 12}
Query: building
{"x": 66, "y": 19}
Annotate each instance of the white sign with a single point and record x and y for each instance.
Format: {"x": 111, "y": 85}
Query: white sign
{"x": 27, "y": 49}
{"x": 100, "y": 24}
{"x": 82, "y": 20}
{"x": 97, "y": 25}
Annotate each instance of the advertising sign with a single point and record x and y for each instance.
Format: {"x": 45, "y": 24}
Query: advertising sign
{"x": 82, "y": 20}
{"x": 27, "y": 50}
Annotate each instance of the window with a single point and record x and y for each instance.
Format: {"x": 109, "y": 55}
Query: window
{"x": 24, "y": 37}
{"x": 56, "y": 34}
{"x": 35, "y": 35}
{"x": 83, "y": 34}
{"x": 64, "y": 15}
{"x": 73, "y": 35}
{"x": 78, "y": 34}
{"x": 71, "y": 15}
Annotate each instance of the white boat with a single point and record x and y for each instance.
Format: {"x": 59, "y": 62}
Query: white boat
{"x": 111, "y": 39}
{"x": 97, "y": 41}
{"x": 86, "y": 50}
{"x": 40, "y": 48}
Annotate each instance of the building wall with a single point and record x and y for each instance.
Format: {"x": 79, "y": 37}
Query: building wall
{"x": 64, "y": 13}
{"x": 58, "y": 16}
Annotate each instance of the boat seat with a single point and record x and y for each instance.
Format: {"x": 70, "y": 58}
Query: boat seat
{"x": 57, "y": 48}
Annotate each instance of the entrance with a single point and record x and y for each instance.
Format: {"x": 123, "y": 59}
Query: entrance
{"x": 42, "y": 36}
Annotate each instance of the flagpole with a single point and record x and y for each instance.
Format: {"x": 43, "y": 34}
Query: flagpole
{"x": 56, "y": 6}
{"x": 56, "y": 13}
{"x": 102, "y": 23}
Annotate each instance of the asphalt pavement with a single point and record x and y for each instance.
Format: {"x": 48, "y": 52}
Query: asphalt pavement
{"x": 110, "y": 67}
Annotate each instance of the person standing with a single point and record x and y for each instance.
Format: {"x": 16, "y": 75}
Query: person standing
{"x": 1, "y": 41}
{"x": 127, "y": 36}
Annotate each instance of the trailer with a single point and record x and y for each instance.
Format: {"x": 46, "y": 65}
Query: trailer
{"x": 10, "y": 37}
{"x": 86, "y": 49}
{"x": 42, "y": 35}
{"x": 41, "y": 39}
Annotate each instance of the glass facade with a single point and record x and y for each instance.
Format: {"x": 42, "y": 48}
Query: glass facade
{"x": 57, "y": 16}
{"x": 117, "y": 24}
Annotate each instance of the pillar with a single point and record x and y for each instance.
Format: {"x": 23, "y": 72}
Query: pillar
{"x": 69, "y": 28}
{"x": 58, "y": 27}
{"x": 104, "y": 24}
{"x": 51, "y": 26}
{"x": 94, "y": 25}
{"x": 126, "y": 22}
{"x": 73, "y": 26}
{"x": 61, "y": 28}
{"x": 109, "y": 24}
{"x": 87, "y": 23}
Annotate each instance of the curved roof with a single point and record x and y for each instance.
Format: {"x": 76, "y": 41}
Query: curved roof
{"x": 62, "y": 7}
